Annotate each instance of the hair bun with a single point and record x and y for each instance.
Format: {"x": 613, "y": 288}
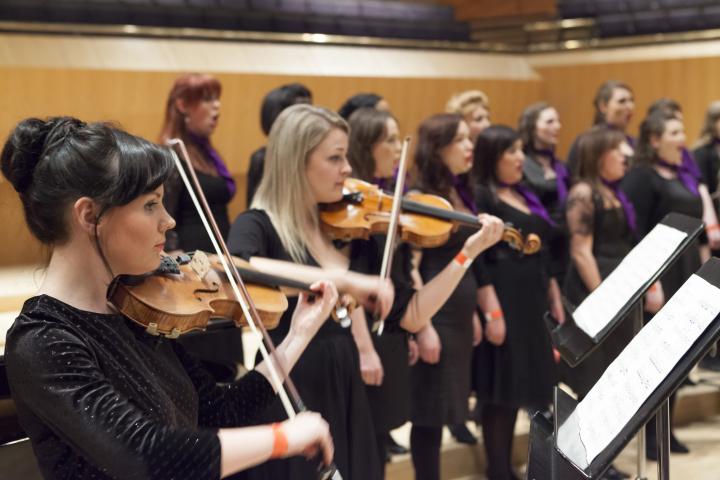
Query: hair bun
{"x": 28, "y": 144}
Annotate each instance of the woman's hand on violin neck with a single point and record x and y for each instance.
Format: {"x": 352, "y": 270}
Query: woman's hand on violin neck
{"x": 371, "y": 369}
{"x": 372, "y": 292}
{"x": 490, "y": 234}
{"x": 313, "y": 310}
{"x": 309, "y": 434}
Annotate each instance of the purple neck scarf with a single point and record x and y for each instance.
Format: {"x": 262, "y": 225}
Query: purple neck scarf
{"x": 206, "y": 149}
{"x": 462, "y": 190}
{"x": 627, "y": 205}
{"x": 562, "y": 176}
{"x": 384, "y": 185}
{"x": 687, "y": 171}
{"x": 532, "y": 200}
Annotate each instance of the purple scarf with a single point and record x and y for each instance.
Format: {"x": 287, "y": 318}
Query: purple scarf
{"x": 627, "y": 205}
{"x": 562, "y": 176}
{"x": 687, "y": 171}
{"x": 532, "y": 200}
{"x": 384, "y": 185}
{"x": 462, "y": 190}
{"x": 206, "y": 149}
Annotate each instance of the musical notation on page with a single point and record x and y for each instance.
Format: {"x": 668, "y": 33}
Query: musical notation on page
{"x": 640, "y": 368}
{"x": 636, "y": 269}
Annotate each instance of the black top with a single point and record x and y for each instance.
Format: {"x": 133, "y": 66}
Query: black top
{"x": 99, "y": 398}
{"x": 255, "y": 173}
{"x": 545, "y": 188}
{"x": 327, "y": 375}
{"x": 440, "y": 391}
{"x": 708, "y": 162}
{"x": 520, "y": 372}
{"x": 612, "y": 241}
{"x": 654, "y": 196}
{"x": 547, "y": 191}
{"x": 189, "y": 233}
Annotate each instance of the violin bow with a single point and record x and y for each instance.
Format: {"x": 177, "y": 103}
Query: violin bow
{"x": 267, "y": 348}
{"x": 391, "y": 238}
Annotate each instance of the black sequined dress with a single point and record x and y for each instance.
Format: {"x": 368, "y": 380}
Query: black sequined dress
{"x": 100, "y": 398}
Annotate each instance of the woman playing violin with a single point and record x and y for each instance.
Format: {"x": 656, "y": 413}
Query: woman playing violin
{"x": 374, "y": 153}
{"x": 97, "y": 395}
{"x": 440, "y": 381}
{"x": 306, "y": 165}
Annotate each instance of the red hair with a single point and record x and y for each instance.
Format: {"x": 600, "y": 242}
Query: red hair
{"x": 191, "y": 88}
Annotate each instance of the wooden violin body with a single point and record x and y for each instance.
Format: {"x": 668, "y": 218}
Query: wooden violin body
{"x": 183, "y": 296}
{"x": 426, "y": 221}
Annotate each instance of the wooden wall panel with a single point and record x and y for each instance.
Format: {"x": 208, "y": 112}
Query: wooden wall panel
{"x": 136, "y": 100}
{"x": 692, "y": 82}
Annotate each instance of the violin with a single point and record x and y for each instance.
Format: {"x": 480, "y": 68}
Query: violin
{"x": 426, "y": 221}
{"x": 186, "y": 292}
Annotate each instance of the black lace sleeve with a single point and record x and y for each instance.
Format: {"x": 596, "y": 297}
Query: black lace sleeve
{"x": 580, "y": 211}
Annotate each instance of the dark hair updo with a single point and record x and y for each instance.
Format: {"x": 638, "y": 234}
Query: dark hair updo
{"x": 51, "y": 163}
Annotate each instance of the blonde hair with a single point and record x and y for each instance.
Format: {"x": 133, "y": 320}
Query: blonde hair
{"x": 284, "y": 192}
{"x": 464, "y": 103}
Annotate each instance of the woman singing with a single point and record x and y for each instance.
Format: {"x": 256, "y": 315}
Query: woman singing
{"x": 306, "y": 165}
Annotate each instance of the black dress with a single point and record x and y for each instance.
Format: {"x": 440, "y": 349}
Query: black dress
{"x": 612, "y": 241}
{"x": 100, "y": 398}
{"x": 390, "y": 401}
{"x": 440, "y": 391}
{"x": 327, "y": 374}
{"x": 255, "y": 173}
{"x": 220, "y": 351}
{"x": 547, "y": 191}
{"x": 521, "y": 372}
{"x": 654, "y": 196}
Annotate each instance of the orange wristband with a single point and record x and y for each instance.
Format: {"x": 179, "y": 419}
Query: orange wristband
{"x": 280, "y": 443}
{"x": 494, "y": 315}
{"x": 653, "y": 287}
{"x": 710, "y": 228}
{"x": 463, "y": 260}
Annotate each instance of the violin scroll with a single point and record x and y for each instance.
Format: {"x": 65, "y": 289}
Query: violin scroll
{"x": 532, "y": 244}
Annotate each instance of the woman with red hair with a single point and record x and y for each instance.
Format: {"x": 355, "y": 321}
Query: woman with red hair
{"x": 191, "y": 114}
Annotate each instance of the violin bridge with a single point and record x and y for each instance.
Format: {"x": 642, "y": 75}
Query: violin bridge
{"x": 200, "y": 264}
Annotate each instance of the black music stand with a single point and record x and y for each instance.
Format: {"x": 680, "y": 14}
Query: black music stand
{"x": 573, "y": 343}
{"x": 546, "y": 461}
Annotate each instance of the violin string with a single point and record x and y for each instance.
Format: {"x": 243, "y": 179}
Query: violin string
{"x": 245, "y": 303}
{"x": 386, "y": 265}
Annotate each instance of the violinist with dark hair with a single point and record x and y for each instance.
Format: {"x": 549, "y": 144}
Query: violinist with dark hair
{"x": 98, "y": 395}
{"x": 374, "y": 154}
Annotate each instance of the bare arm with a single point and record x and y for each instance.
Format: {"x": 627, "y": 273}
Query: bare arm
{"x": 306, "y": 434}
{"x": 495, "y": 319}
{"x": 368, "y": 290}
{"x": 431, "y": 296}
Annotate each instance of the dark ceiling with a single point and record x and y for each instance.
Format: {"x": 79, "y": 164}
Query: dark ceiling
{"x": 520, "y": 24}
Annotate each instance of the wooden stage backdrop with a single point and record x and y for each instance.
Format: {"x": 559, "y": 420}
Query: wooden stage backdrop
{"x": 135, "y": 99}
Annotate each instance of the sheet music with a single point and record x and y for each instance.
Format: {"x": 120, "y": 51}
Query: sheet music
{"x": 636, "y": 269}
{"x": 642, "y": 366}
